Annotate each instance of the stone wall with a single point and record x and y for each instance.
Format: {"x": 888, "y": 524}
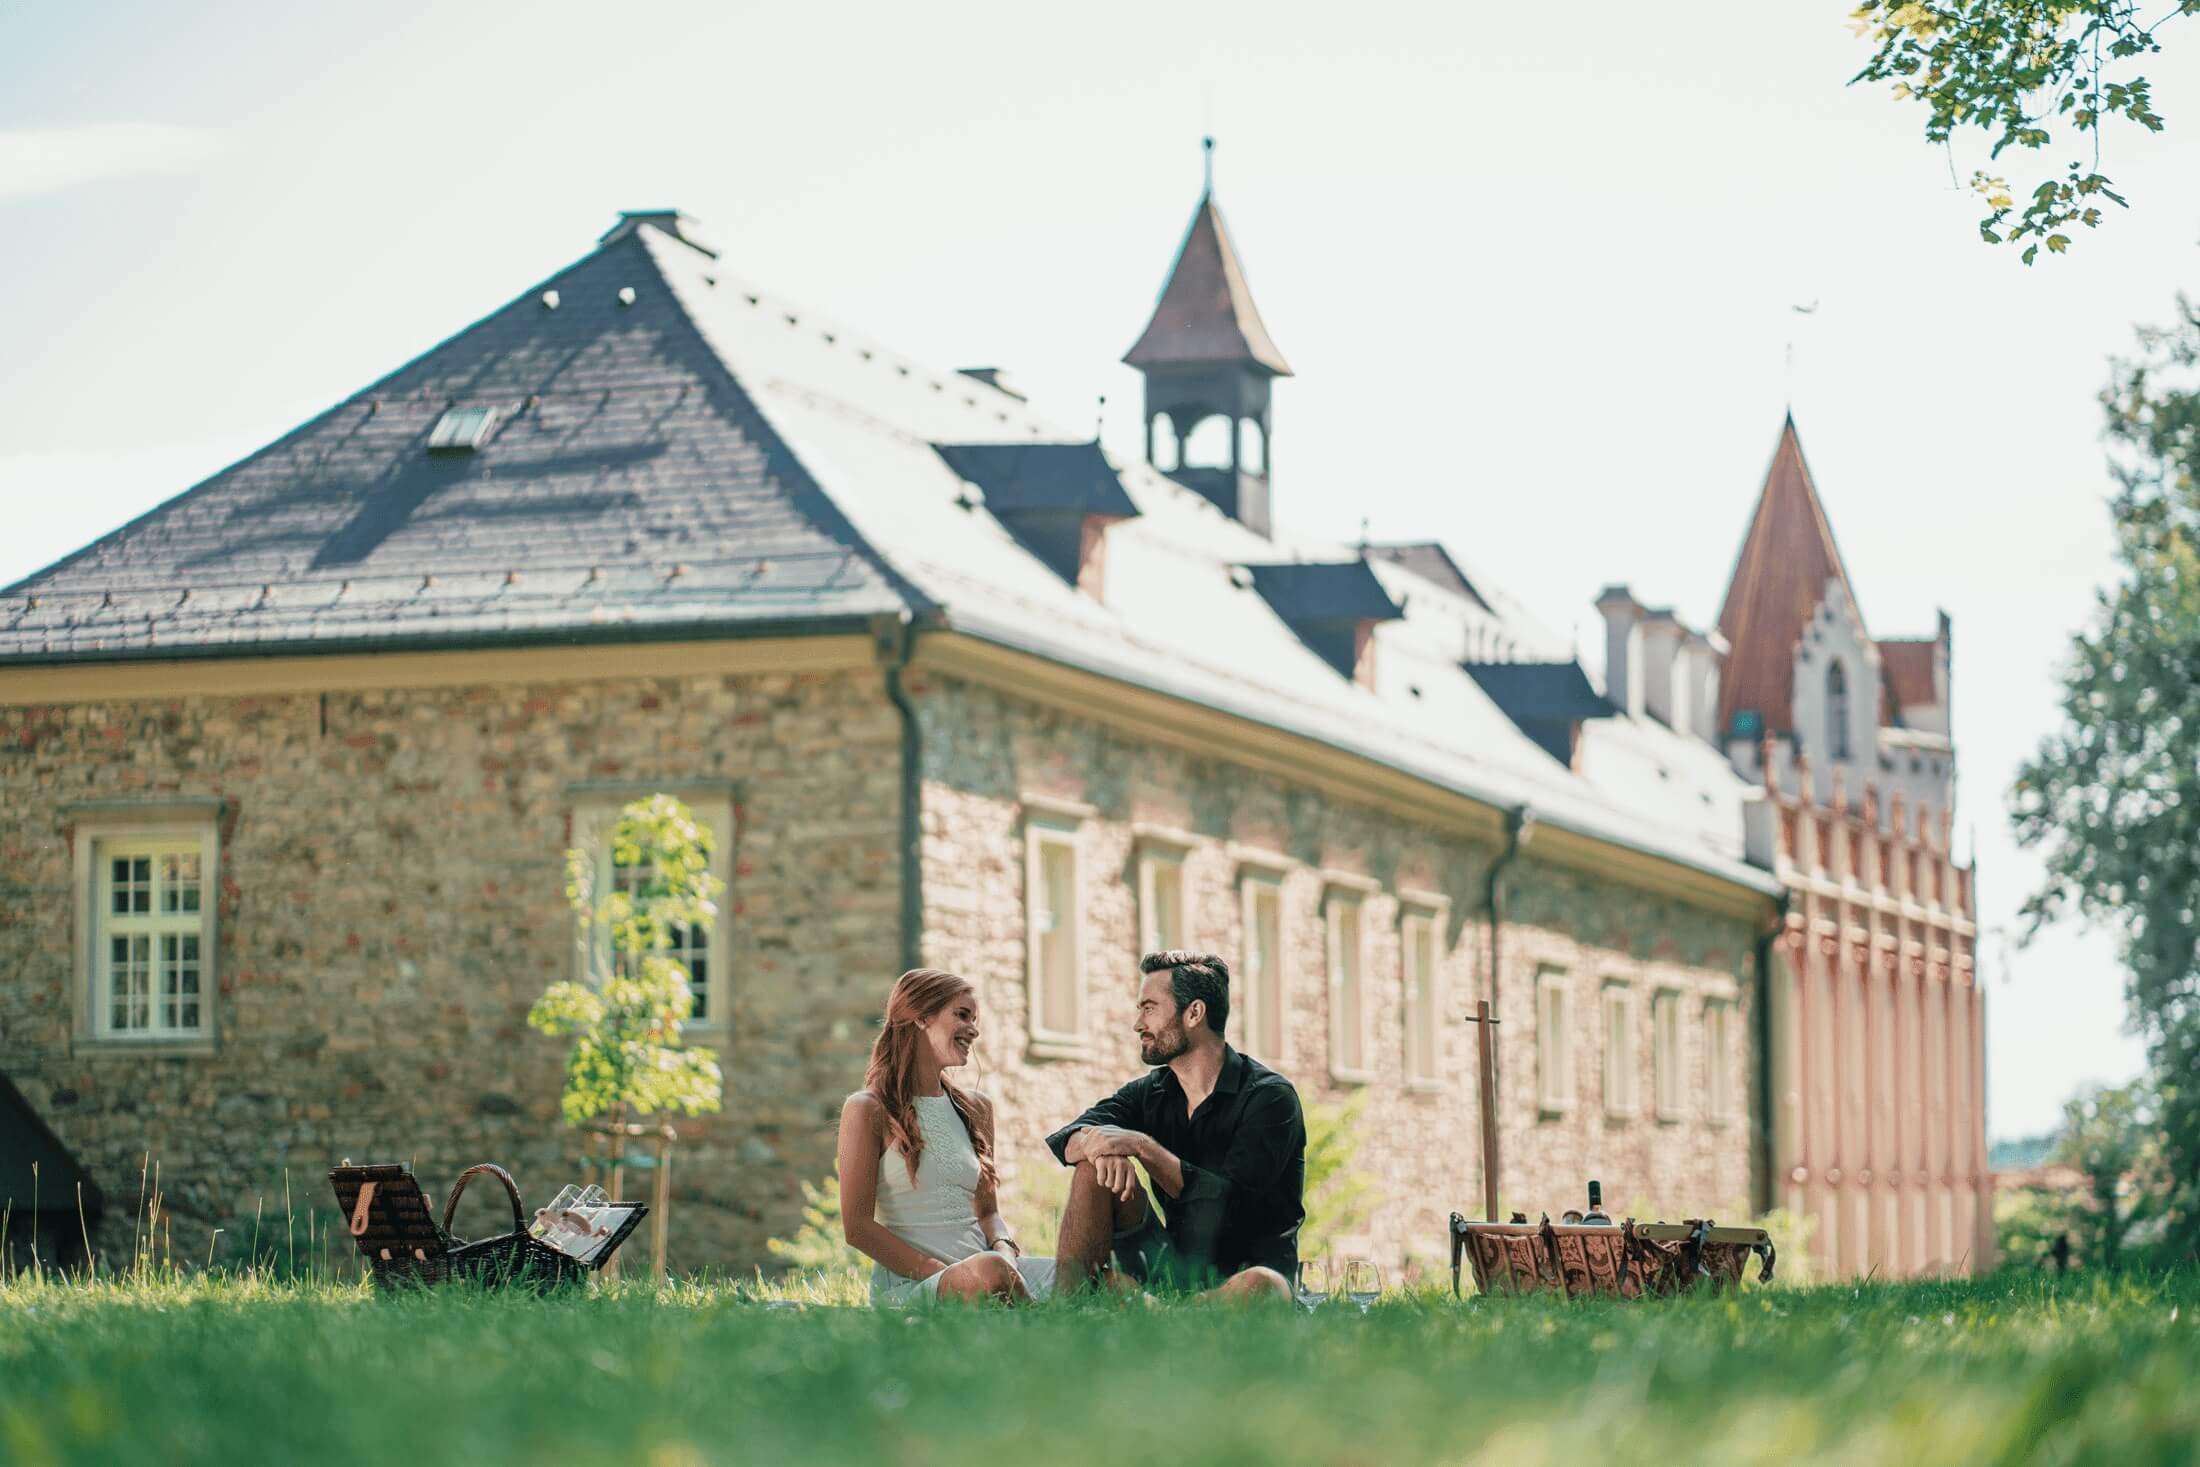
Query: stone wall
{"x": 984, "y": 752}
{"x": 392, "y": 902}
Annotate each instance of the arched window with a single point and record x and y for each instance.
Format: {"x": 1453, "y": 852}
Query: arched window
{"x": 1837, "y": 712}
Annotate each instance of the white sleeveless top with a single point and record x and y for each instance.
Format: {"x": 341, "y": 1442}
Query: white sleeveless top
{"x": 936, "y": 1214}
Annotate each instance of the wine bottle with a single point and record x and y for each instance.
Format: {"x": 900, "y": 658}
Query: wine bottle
{"x": 1596, "y": 1216}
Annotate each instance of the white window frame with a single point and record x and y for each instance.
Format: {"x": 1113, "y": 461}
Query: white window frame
{"x": 1422, "y": 997}
{"x": 1668, "y": 1055}
{"x": 595, "y": 810}
{"x": 1055, "y": 825}
{"x": 1718, "y": 1039}
{"x": 1622, "y": 1056}
{"x": 1163, "y": 867}
{"x": 1554, "y": 1042}
{"x": 102, "y": 831}
{"x": 1261, "y": 1008}
{"x": 1346, "y": 894}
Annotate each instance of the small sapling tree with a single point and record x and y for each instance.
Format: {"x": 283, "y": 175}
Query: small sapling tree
{"x": 625, "y": 1016}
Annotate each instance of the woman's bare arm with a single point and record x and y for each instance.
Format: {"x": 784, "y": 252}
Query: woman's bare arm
{"x": 987, "y": 1201}
{"x": 862, "y": 1146}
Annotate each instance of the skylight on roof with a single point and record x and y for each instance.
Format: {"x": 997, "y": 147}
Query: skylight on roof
{"x": 461, "y": 430}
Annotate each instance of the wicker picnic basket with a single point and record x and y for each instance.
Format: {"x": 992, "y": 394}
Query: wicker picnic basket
{"x": 394, "y": 1225}
{"x": 1630, "y": 1261}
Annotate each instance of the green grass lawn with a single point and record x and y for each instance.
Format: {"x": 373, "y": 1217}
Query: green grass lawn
{"x": 248, "y": 1371}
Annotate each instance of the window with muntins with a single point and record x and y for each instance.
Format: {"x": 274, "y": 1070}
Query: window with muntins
{"x": 1261, "y": 971}
{"x": 1161, "y": 902}
{"x": 151, "y": 942}
{"x": 703, "y": 954}
{"x": 1619, "y": 1050}
{"x": 1348, "y": 1017}
{"x": 1052, "y": 914}
{"x": 1554, "y": 1047}
{"x": 1666, "y": 1058}
{"x": 1718, "y": 1019}
{"x": 1418, "y": 941}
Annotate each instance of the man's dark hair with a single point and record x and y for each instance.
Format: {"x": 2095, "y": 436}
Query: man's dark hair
{"x": 1195, "y": 975}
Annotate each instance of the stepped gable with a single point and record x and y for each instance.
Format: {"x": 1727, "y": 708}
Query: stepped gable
{"x": 1206, "y": 311}
{"x": 1780, "y": 577}
{"x": 627, "y": 486}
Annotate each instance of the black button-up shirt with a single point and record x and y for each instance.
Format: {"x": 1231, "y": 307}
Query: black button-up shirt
{"x": 1244, "y": 1158}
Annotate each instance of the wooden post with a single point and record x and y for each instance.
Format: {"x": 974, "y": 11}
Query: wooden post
{"x": 661, "y": 1206}
{"x": 1486, "y": 1035}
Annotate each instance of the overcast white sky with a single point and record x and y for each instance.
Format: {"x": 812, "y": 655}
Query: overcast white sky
{"x": 1534, "y": 267}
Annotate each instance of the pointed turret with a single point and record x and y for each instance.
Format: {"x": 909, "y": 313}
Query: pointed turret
{"x": 1206, "y": 314}
{"x": 1206, "y": 354}
{"x": 1780, "y": 578}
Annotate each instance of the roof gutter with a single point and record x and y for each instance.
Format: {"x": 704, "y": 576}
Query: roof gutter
{"x": 896, "y": 639}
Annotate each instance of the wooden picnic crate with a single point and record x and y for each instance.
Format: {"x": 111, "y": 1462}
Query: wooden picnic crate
{"x": 1630, "y": 1261}
{"x": 395, "y": 1227}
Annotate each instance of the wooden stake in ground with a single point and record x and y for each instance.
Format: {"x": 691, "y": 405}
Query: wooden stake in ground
{"x": 1486, "y": 1035}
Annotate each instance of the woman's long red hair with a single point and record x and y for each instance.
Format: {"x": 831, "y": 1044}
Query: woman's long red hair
{"x": 918, "y": 995}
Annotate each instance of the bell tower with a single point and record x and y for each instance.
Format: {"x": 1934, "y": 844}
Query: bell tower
{"x": 1205, "y": 355}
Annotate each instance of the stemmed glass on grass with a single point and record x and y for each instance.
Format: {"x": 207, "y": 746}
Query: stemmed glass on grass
{"x": 1313, "y": 1282}
{"x": 1363, "y": 1282}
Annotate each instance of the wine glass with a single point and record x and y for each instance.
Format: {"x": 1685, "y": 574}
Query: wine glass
{"x": 1363, "y": 1282}
{"x": 1313, "y": 1281}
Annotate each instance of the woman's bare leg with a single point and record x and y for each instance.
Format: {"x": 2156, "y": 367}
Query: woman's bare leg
{"x": 984, "y": 1276}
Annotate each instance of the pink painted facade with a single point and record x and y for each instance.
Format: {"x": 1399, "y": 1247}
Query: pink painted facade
{"x": 1878, "y": 1028}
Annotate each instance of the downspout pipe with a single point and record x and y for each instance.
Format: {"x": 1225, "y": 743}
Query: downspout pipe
{"x": 896, "y": 638}
{"x": 1519, "y": 826}
{"x": 1768, "y": 1111}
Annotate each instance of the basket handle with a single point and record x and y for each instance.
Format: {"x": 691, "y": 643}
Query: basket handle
{"x": 450, "y": 1207}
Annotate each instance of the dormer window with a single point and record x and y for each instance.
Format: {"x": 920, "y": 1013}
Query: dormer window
{"x": 462, "y": 430}
{"x": 1054, "y": 499}
{"x": 1333, "y": 608}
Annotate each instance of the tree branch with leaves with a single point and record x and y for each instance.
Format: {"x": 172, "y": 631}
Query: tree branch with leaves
{"x": 2020, "y": 71}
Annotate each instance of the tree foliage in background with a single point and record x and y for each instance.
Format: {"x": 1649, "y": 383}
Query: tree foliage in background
{"x": 2110, "y": 1134}
{"x": 2022, "y": 72}
{"x": 2112, "y": 799}
{"x": 1338, "y": 1194}
{"x": 819, "y": 1244}
{"x": 625, "y": 1019}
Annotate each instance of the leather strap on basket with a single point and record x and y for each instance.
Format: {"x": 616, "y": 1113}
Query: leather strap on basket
{"x": 1768, "y": 1253}
{"x": 1458, "y": 1246}
{"x": 359, "y": 1209}
{"x": 511, "y": 1188}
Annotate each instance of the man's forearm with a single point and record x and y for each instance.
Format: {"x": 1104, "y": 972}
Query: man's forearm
{"x": 1162, "y": 1165}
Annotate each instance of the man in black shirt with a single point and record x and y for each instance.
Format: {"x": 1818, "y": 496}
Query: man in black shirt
{"x": 1220, "y": 1135}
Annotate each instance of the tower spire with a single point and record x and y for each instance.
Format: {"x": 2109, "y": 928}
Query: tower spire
{"x": 1207, "y": 160}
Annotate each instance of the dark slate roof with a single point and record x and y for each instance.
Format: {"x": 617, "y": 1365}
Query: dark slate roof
{"x": 1546, "y": 701}
{"x": 1318, "y": 592}
{"x": 1540, "y": 689}
{"x": 1206, "y": 312}
{"x": 629, "y": 488}
{"x": 1041, "y": 478}
{"x": 1429, "y": 560}
{"x": 25, "y": 1139}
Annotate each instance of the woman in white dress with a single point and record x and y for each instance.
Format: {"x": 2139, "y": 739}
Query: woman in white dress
{"x": 918, "y": 1193}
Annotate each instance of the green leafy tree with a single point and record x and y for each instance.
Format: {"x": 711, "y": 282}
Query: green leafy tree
{"x": 2020, "y": 72}
{"x": 2110, "y": 1136}
{"x": 625, "y": 1019}
{"x": 2112, "y": 798}
{"x": 819, "y": 1244}
{"x": 1339, "y": 1195}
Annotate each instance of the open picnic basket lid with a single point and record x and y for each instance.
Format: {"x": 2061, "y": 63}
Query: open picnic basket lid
{"x": 393, "y": 1221}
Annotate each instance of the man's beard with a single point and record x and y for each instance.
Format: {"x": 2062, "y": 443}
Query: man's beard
{"x": 1163, "y": 1047}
